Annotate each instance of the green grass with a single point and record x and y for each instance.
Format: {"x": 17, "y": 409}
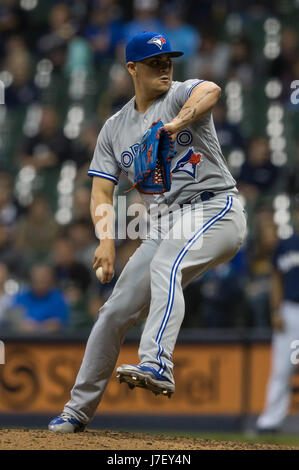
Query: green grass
{"x": 280, "y": 439}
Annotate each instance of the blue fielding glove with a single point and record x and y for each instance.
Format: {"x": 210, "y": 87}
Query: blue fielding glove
{"x": 153, "y": 160}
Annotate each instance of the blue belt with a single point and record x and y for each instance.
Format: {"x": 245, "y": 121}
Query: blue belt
{"x": 205, "y": 196}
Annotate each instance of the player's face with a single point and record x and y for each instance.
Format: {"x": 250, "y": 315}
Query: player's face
{"x": 155, "y": 73}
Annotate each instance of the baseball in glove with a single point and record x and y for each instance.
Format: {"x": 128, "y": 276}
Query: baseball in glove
{"x": 153, "y": 160}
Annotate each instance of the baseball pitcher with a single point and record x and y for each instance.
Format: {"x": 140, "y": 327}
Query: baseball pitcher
{"x": 165, "y": 142}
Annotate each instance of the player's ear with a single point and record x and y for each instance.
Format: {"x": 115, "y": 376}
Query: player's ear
{"x": 131, "y": 67}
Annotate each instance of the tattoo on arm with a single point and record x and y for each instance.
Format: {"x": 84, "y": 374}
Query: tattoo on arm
{"x": 187, "y": 114}
{"x": 190, "y": 114}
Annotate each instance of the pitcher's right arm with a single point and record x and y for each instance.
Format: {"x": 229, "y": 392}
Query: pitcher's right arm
{"x": 102, "y": 214}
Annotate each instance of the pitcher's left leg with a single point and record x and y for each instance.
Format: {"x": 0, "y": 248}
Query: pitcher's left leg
{"x": 216, "y": 240}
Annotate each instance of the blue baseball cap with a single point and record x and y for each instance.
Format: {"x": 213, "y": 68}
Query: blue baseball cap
{"x": 148, "y": 44}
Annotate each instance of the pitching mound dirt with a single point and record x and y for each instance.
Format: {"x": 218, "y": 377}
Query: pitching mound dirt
{"x": 23, "y": 439}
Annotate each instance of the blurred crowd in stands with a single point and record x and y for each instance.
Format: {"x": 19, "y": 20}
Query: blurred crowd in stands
{"x": 62, "y": 64}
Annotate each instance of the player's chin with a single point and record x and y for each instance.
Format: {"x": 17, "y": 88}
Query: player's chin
{"x": 164, "y": 85}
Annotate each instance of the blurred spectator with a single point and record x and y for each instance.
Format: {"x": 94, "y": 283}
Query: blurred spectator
{"x": 201, "y": 13}
{"x": 43, "y": 305}
{"x": 10, "y": 256}
{"x": 74, "y": 279}
{"x": 36, "y": 231}
{"x": 284, "y": 301}
{"x": 8, "y": 18}
{"x": 212, "y": 59}
{"x": 182, "y": 36}
{"x": 53, "y": 44}
{"x": 104, "y": 30}
{"x": 81, "y": 233}
{"x": 261, "y": 249}
{"x": 15, "y": 46}
{"x": 229, "y": 134}
{"x": 79, "y": 57}
{"x": 69, "y": 271}
{"x": 21, "y": 91}
{"x": 49, "y": 148}
{"x": 81, "y": 200}
{"x": 257, "y": 175}
{"x": 12, "y": 20}
{"x": 118, "y": 93}
{"x": 9, "y": 210}
{"x": 194, "y": 297}
{"x": 263, "y": 215}
{"x": 282, "y": 66}
{"x": 83, "y": 148}
{"x": 241, "y": 63}
{"x": 5, "y": 298}
{"x": 145, "y": 18}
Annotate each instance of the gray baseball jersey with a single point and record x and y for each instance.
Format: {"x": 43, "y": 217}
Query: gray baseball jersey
{"x": 199, "y": 164}
{"x": 152, "y": 282}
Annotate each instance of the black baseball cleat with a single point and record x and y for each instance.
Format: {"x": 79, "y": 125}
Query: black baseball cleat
{"x": 144, "y": 377}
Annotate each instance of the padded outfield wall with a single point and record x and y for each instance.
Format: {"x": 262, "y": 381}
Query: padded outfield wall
{"x": 221, "y": 379}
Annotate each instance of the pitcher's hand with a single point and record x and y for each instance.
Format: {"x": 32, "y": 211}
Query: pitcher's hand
{"x": 105, "y": 256}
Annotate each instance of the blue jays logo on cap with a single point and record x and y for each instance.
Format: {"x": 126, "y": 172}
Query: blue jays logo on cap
{"x": 148, "y": 44}
{"x": 158, "y": 40}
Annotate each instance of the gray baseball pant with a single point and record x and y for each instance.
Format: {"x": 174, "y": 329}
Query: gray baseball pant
{"x": 152, "y": 282}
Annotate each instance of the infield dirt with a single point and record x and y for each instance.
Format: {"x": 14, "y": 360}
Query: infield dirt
{"x": 23, "y": 439}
